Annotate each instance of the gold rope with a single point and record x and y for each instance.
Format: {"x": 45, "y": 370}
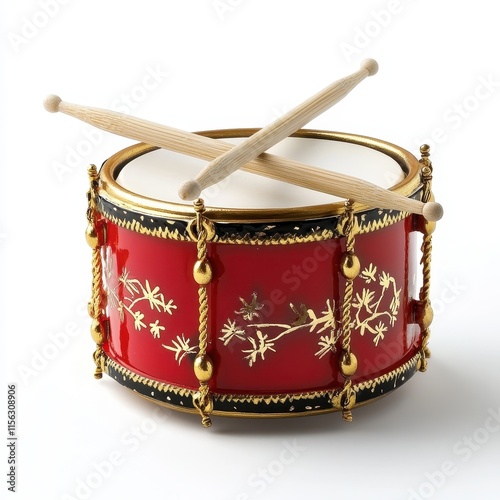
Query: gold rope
{"x": 95, "y": 306}
{"x": 426, "y": 314}
{"x": 350, "y": 268}
{"x": 202, "y": 274}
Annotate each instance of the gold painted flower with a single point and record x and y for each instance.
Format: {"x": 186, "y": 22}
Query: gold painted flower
{"x": 231, "y": 330}
{"x": 368, "y": 274}
{"x": 394, "y": 305}
{"x": 380, "y": 329}
{"x": 364, "y": 300}
{"x": 153, "y": 296}
{"x": 181, "y": 348}
{"x": 138, "y": 317}
{"x": 327, "y": 344}
{"x": 249, "y": 310}
{"x": 264, "y": 345}
{"x": 155, "y": 328}
{"x": 385, "y": 280}
{"x": 130, "y": 284}
{"x": 328, "y": 316}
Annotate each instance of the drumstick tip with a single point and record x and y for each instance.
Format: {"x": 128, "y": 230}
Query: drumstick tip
{"x": 51, "y": 103}
{"x": 190, "y": 190}
{"x": 432, "y": 211}
{"x": 370, "y": 65}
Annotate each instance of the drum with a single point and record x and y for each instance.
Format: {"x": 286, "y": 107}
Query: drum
{"x": 263, "y": 299}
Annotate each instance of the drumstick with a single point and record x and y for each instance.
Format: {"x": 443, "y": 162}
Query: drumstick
{"x": 275, "y": 132}
{"x": 266, "y": 164}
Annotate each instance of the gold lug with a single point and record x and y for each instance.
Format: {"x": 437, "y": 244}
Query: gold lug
{"x": 349, "y": 364}
{"x": 91, "y": 237}
{"x": 350, "y": 266}
{"x": 98, "y": 332}
{"x": 426, "y": 316}
{"x": 202, "y": 272}
{"x": 203, "y": 368}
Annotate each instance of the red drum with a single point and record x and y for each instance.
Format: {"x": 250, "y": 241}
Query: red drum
{"x": 288, "y": 303}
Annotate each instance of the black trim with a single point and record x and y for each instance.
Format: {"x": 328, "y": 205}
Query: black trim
{"x": 242, "y": 231}
{"x": 315, "y": 403}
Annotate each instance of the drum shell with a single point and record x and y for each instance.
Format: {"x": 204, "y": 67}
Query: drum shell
{"x": 304, "y": 275}
{"x": 274, "y": 302}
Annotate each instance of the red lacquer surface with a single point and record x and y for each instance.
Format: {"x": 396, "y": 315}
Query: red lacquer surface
{"x": 277, "y": 295}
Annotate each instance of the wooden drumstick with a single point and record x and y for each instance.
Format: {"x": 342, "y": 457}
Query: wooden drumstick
{"x": 275, "y": 132}
{"x": 266, "y": 164}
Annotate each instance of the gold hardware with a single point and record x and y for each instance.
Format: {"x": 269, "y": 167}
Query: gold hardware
{"x": 208, "y": 227}
{"x": 202, "y": 272}
{"x": 203, "y": 368}
{"x": 111, "y": 191}
{"x": 91, "y": 237}
{"x": 98, "y": 332}
{"x": 429, "y": 226}
{"x": 426, "y": 313}
{"x": 96, "y": 305}
{"x": 350, "y": 266}
{"x": 345, "y": 400}
{"x": 348, "y": 364}
{"x": 203, "y": 402}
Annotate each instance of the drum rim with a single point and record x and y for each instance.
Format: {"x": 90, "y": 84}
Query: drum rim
{"x": 369, "y": 390}
{"x": 112, "y": 191}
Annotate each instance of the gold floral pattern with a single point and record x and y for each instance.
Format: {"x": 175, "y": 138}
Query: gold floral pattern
{"x": 134, "y": 298}
{"x": 377, "y": 306}
{"x": 262, "y": 342}
{"x": 373, "y": 311}
{"x": 181, "y": 348}
{"x": 136, "y": 294}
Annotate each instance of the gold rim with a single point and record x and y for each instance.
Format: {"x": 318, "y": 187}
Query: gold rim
{"x": 118, "y": 195}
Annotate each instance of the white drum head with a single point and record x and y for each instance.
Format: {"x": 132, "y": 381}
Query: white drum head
{"x": 160, "y": 173}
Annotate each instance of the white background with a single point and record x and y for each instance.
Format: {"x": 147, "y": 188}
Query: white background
{"x": 241, "y": 63}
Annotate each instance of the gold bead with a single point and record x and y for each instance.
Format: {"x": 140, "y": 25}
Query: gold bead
{"x": 429, "y": 226}
{"x": 97, "y": 332}
{"x": 350, "y": 266}
{"x": 202, "y": 272}
{"x": 426, "y": 316}
{"x": 203, "y": 368}
{"x": 425, "y": 149}
{"x": 348, "y": 364}
{"x": 91, "y": 237}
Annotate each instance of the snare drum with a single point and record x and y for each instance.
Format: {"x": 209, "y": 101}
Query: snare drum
{"x": 264, "y": 299}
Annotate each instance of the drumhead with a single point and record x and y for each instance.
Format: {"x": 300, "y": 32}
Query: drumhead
{"x": 159, "y": 174}
{"x": 150, "y": 177}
